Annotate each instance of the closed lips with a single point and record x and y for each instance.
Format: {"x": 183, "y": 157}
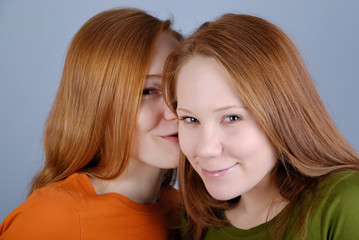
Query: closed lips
{"x": 171, "y": 137}
{"x": 219, "y": 173}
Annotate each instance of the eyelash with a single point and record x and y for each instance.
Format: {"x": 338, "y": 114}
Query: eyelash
{"x": 149, "y": 91}
{"x": 233, "y": 116}
{"x": 185, "y": 118}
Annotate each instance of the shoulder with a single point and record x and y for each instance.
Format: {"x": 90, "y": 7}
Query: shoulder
{"x": 344, "y": 183}
{"x": 340, "y": 190}
{"x": 49, "y": 211}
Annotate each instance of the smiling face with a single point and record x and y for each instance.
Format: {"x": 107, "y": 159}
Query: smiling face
{"x": 156, "y": 140}
{"x": 219, "y": 136}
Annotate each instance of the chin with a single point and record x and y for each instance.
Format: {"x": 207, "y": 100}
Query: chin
{"x": 168, "y": 164}
{"x": 172, "y": 166}
{"x": 221, "y": 194}
{"x": 223, "y": 197}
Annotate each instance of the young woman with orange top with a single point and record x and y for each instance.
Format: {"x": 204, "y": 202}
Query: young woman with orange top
{"x": 110, "y": 141}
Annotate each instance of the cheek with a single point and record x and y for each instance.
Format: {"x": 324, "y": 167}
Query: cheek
{"x": 238, "y": 142}
{"x": 187, "y": 140}
{"x": 147, "y": 118}
{"x": 250, "y": 143}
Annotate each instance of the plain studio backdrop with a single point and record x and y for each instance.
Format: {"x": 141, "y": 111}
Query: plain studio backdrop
{"x": 35, "y": 35}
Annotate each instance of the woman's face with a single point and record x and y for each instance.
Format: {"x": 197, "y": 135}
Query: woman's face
{"x": 156, "y": 139}
{"x": 221, "y": 139}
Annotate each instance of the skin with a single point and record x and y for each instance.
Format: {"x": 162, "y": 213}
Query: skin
{"x": 155, "y": 143}
{"x": 224, "y": 143}
{"x": 156, "y": 138}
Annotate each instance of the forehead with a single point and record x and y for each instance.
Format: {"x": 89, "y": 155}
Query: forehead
{"x": 203, "y": 79}
{"x": 163, "y": 47}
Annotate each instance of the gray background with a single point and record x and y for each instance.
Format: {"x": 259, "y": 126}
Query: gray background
{"x": 34, "y": 36}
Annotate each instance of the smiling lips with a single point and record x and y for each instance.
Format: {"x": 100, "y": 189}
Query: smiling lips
{"x": 218, "y": 173}
{"x": 171, "y": 137}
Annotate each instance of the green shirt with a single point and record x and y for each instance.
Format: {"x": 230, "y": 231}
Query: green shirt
{"x": 335, "y": 214}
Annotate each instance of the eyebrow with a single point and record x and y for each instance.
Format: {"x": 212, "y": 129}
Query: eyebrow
{"x": 216, "y": 110}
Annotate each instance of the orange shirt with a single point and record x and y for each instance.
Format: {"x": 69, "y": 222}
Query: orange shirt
{"x": 71, "y": 209}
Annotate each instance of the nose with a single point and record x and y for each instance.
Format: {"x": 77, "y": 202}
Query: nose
{"x": 209, "y": 144}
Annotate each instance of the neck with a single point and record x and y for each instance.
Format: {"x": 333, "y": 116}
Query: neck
{"x": 257, "y": 206}
{"x": 140, "y": 182}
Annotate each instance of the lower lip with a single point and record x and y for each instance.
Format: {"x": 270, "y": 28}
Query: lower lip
{"x": 171, "y": 139}
{"x": 219, "y": 173}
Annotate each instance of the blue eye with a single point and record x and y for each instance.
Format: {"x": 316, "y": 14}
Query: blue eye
{"x": 189, "y": 119}
{"x": 232, "y": 118}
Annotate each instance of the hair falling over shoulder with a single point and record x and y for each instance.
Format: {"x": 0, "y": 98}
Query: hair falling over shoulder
{"x": 90, "y": 126}
{"x": 268, "y": 72}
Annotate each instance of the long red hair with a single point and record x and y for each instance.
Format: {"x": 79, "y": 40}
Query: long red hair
{"x": 268, "y": 73}
{"x": 91, "y": 124}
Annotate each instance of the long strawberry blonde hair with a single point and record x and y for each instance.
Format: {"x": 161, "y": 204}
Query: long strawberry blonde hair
{"x": 268, "y": 72}
{"x": 91, "y": 124}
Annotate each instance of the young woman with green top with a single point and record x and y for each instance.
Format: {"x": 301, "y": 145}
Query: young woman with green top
{"x": 262, "y": 157}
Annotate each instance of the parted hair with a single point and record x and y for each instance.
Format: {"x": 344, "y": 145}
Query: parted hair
{"x": 268, "y": 73}
{"x": 91, "y": 125}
